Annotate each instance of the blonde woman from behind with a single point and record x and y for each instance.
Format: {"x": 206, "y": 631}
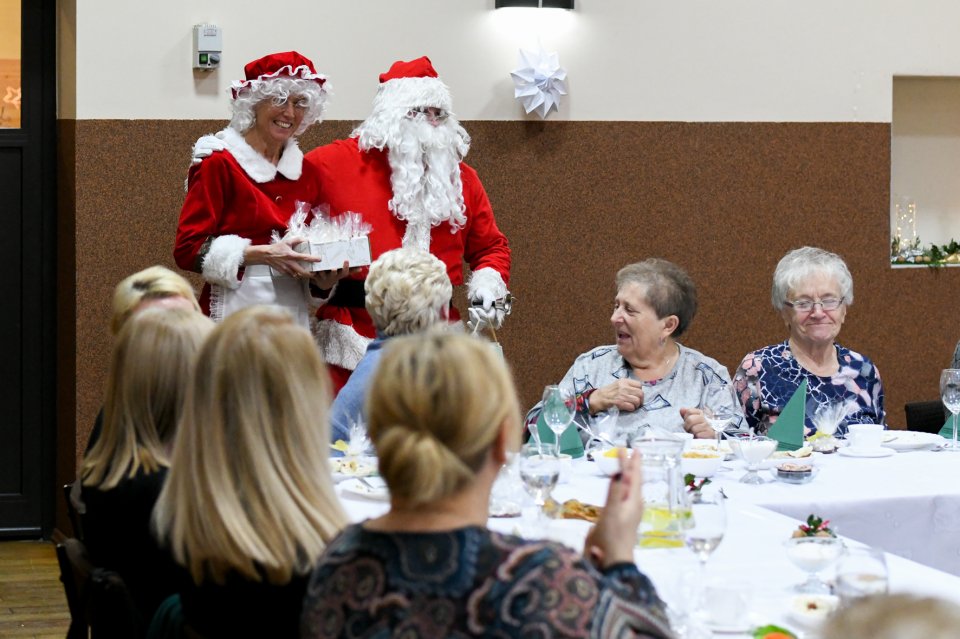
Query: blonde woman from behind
{"x": 249, "y": 505}
{"x": 443, "y": 415}
{"x": 122, "y": 475}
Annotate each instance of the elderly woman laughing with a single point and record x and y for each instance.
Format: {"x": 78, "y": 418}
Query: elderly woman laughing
{"x": 812, "y": 289}
{"x": 650, "y": 377}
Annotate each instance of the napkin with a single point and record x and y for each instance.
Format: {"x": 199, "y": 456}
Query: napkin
{"x": 569, "y": 440}
{"x": 947, "y": 431}
{"x": 788, "y": 429}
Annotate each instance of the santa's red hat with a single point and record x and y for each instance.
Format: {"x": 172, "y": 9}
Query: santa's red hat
{"x": 412, "y": 84}
{"x": 289, "y": 64}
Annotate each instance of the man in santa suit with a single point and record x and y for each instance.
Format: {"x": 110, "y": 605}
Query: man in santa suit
{"x": 402, "y": 170}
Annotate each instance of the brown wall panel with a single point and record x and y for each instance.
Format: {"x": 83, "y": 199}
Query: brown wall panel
{"x": 578, "y": 200}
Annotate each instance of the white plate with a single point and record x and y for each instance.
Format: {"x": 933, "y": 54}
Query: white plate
{"x": 343, "y": 468}
{"x": 876, "y": 452}
{"x": 911, "y": 440}
{"x": 356, "y": 488}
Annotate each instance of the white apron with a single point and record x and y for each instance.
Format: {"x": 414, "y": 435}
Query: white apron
{"x": 259, "y": 286}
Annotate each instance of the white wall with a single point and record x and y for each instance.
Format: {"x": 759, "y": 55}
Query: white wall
{"x": 688, "y": 60}
{"x": 925, "y": 154}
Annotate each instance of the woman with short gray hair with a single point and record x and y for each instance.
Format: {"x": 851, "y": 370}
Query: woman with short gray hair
{"x": 812, "y": 289}
{"x": 647, "y": 375}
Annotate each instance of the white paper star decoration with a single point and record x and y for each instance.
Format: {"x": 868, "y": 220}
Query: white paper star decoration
{"x": 13, "y": 96}
{"x": 539, "y": 81}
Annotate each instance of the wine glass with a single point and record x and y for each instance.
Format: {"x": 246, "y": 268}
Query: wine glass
{"x": 559, "y": 406}
{"x": 721, "y": 406}
{"x": 540, "y": 470}
{"x": 950, "y": 394}
{"x": 813, "y": 554}
{"x": 704, "y": 532}
{"x": 861, "y": 572}
{"x": 753, "y": 449}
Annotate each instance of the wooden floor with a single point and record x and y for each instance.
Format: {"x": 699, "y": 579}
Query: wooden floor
{"x": 32, "y": 603}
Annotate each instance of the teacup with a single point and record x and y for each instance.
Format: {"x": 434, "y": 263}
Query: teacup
{"x": 725, "y": 604}
{"x": 865, "y": 437}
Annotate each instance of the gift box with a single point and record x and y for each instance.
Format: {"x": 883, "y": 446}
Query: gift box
{"x": 355, "y": 250}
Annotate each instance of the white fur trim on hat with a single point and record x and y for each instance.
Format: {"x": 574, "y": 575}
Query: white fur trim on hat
{"x": 486, "y": 279}
{"x": 407, "y": 93}
{"x": 259, "y": 168}
{"x": 340, "y": 344}
{"x": 223, "y": 260}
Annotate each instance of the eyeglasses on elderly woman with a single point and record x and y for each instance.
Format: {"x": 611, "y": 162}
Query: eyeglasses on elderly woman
{"x": 807, "y": 305}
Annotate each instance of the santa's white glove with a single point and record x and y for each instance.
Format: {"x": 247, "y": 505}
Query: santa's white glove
{"x": 479, "y": 318}
{"x": 489, "y": 300}
{"x": 205, "y": 147}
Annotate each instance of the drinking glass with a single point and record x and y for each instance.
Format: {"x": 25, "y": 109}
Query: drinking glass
{"x": 950, "y": 394}
{"x": 753, "y": 449}
{"x": 540, "y": 470}
{"x": 721, "y": 406}
{"x": 813, "y": 554}
{"x": 705, "y": 528}
{"x": 861, "y": 572}
{"x": 559, "y": 406}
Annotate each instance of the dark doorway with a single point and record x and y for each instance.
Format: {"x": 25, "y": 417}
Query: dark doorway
{"x": 27, "y": 265}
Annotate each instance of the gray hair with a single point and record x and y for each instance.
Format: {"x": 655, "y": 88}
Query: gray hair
{"x": 799, "y": 264}
{"x": 244, "y": 105}
{"x": 407, "y": 291}
{"x": 669, "y": 290}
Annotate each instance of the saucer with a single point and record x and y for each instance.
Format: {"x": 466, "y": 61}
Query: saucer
{"x": 870, "y": 452}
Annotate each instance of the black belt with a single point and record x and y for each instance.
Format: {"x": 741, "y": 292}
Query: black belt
{"x": 349, "y": 294}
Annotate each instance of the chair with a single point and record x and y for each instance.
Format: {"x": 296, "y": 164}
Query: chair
{"x": 926, "y": 417}
{"x": 98, "y": 599}
{"x": 76, "y": 521}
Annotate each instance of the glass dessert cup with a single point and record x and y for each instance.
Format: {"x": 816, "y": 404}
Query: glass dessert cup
{"x": 753, "y": 450}
{"x": 813, "y": 554}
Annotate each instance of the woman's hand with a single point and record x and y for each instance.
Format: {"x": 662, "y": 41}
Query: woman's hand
{"x": 281, "y": 257}
{"x": 325, "y": 280}
{"x": 625, "y": 394}
{"x": 695, "y": 422}
{"x": 612, "y": 540}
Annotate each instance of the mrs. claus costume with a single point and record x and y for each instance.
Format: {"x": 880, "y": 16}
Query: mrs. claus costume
{"x": 355, "y": 175}
{"x": 237, "y": 197}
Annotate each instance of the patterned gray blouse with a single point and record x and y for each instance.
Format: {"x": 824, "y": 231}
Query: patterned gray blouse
{"x": 663, "y": 398}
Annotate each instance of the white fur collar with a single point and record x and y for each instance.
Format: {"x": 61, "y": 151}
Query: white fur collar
{"x": 258, "y": 167}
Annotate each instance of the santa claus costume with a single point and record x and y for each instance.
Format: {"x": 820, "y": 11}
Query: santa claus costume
{"x": 402, "y": 170}
{"x": 236, "y": 197}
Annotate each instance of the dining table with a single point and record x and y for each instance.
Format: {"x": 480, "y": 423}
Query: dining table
{"x": 859, "y": 496}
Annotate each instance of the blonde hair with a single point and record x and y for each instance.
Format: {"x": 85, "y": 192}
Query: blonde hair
{"x": 156, "y": 282}
{"x": 894, "y": 617}
{"x": 435, "y": 406}
{"x": 248, "y": 489}
{"x": 407, "y": 291}
{"x": 149, "y": 370}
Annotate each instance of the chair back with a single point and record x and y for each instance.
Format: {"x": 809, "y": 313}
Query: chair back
{"x": 926, "y": 417}
{"x": 76, "y": 521}
{"x": 98, "y": 598}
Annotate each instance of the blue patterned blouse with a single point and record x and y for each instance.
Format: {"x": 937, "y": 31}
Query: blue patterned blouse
{"x": 769, "y": 377}
{"x": 472, "y": 582}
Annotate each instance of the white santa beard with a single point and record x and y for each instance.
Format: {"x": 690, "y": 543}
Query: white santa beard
{"x": 425, "y": 177}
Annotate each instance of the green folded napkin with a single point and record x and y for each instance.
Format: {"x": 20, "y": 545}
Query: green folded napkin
{"x": 947, "y": 431}
{"x": 569, "y": 440}
{"x": 789, "y": 427}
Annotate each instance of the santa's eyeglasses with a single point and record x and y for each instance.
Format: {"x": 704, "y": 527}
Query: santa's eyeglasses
{"x": 429, "y": 113}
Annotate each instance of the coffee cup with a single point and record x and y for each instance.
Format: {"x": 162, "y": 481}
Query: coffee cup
{"x": 725, "y": 604}
{"x": 865, "y": 437}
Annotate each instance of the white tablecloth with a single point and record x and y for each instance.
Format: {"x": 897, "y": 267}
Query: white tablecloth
{"x": 752, "y": 555}
{"x": 907, "y": 504}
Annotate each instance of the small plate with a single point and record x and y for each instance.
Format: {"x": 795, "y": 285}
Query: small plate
{"x": 343, "y": 468}
{"x": 375, "y": 491}
{"x": 901, "y": 440}
{"x": 795, "y": 479}
{"x": 876, "y": 452}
